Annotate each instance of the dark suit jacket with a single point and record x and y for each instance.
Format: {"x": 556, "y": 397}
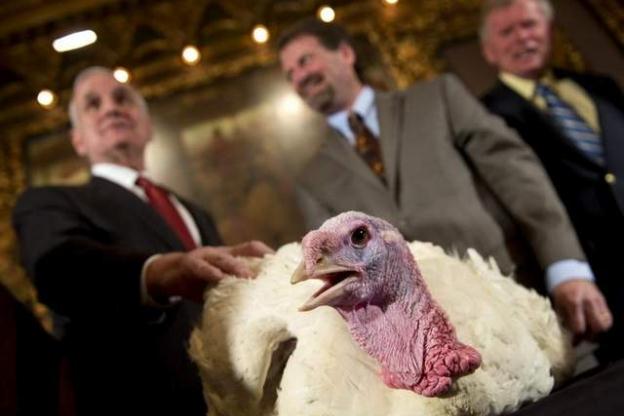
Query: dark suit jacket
{"x": 437, "y": 142}
{"x": 594, "y": 202}
{"x": 85, "y": 247}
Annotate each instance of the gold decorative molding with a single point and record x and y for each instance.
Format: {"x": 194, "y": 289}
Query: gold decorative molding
{"x": 147, "y": 36}
{"x": 611, "y": 13}
{"x": 11, "y": 274}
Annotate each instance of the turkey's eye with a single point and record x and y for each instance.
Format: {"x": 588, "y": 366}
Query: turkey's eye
{"x": 359, "y": 237}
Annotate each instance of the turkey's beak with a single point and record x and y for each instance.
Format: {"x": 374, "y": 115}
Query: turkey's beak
{"x": 299, "y": 274}
{"x": 336, "y": 277}
{"x": 323, "y": 267}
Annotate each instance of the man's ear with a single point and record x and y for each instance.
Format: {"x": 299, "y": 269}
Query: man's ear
{"x": 78, "y": 142}
{"x": 488, "y": 54}
{"x": 347, "y": 52}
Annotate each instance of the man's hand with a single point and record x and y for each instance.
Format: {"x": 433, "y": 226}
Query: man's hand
{"x": 188, "y": 274}
{"x": 584, "y": 309}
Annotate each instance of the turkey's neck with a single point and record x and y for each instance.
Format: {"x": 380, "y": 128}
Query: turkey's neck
{"x": 411, "y": 337}
{"x": 402, "y": 333}
{"x": 395, "y": 334}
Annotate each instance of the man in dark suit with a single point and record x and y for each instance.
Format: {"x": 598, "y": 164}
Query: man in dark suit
{"x": 122, "y": 265}
{"x": 575, "y": 124}
{"x": 415, "y": 157}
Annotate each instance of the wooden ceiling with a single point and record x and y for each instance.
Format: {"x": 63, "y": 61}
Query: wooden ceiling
{"x": 147, "y": 36}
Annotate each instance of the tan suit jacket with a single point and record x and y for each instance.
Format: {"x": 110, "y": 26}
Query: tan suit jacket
{"x": 437, "y": 143}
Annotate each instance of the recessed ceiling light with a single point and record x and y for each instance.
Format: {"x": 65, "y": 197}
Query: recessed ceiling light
{"x": 121, "y": 74}
{"x": 260, "y": 34}
{"x": 326, "y": 14}
{"x": 191, "y": 55}
{"x": 74, "y": 41}
{"x": 46, "y": 98}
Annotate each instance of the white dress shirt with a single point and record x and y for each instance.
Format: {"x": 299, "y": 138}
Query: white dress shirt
{"x": 364, "y": 106}
{"x": 126, "y": 177}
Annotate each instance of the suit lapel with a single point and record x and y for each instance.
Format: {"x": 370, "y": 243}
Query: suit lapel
{"x": 389, "y": 116}
{"x": 536, "y": 117}
{"x": 339, "y": 150}
{"x": 144, "y": 214}
{"x": 611, "y": 122}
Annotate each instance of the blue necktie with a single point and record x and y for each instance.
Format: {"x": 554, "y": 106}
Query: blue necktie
{"x": 572, "y": 125}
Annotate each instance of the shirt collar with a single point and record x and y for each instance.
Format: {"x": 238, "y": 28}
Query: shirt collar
{"x": 363, "y": 105}
{"x": 121, "y": 175}
{"x": 525, "y": 86}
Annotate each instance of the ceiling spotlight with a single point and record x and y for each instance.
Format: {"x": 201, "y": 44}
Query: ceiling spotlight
{"x": 121, "y": 74}
{"x": 74, "y": 41}
{"x": 46, "y": 98}
{"x": 326, "y": 14}
{"x": 190, "y": 55}
{"x": 391, "y": 1}
{"x": 260, "y": 34}
{"x": 290, "y": 105}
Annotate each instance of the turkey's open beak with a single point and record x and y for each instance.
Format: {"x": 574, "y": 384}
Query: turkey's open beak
{"x": 336, "y": 278}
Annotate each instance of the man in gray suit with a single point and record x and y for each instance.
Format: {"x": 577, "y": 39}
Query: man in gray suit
{"x": 431, "y": 147}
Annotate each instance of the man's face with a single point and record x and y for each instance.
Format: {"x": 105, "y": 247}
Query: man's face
{"x": 518, "y": 39}
{"x": 323, "y": 78}
{"x": 113, "y": 126}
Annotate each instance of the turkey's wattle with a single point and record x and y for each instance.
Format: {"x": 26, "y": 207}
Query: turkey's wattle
{"x": 372, "y": 280}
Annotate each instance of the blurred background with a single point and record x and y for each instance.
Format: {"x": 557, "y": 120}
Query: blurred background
{"x": 230, "y": 134}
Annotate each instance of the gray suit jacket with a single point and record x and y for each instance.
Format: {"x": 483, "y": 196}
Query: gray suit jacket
{"x": 438, "y": 142}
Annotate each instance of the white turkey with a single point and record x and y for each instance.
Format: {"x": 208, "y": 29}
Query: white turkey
{"x": 375, "y": 326}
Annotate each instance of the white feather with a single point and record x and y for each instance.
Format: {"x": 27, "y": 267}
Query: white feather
{"x": 247, "y": 324}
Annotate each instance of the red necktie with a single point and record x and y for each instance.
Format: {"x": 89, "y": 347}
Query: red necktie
{"x": 159, "y": 200}
{"x": 367, "y": 145}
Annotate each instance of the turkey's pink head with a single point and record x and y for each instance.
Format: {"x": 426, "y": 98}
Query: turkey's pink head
{"x": 361, "y": 260}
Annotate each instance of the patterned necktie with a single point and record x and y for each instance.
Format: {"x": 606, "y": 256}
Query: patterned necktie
{"x": 367, "y": 145}
{"x": 572, "y": 125}
{"x": 159, "y": 200}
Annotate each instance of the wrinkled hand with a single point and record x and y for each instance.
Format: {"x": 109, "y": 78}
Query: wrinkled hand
{"x": 188, "y": 274}
{"x": 583, "y": 307}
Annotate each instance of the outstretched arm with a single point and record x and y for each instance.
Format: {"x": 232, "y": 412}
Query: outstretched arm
{"x": 81, "y": 270}
{"x": 188, "y": 274}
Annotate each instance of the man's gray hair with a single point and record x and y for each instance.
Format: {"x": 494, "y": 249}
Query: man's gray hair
{"x": 490, "y": 5}
{"x": 83, "y": 75}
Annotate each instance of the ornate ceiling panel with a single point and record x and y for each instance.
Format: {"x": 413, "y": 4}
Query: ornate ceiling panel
{"x": 147, "y": 36}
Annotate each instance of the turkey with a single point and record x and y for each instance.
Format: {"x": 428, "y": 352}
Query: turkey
{"x": 375, "y": 326}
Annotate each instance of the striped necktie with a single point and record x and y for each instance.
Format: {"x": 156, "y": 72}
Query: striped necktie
{"x": 367, "y": 145}
{"x": 572, "y": 125}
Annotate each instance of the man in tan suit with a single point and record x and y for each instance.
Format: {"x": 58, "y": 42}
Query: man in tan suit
{"x": 436, "y": 143}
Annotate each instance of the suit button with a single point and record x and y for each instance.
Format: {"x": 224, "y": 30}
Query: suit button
{"x": 609, "y": 178}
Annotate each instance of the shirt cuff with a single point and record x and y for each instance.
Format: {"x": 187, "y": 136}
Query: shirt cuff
{"x": 565, "y": 270}
{"x": 146, "y": 299}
